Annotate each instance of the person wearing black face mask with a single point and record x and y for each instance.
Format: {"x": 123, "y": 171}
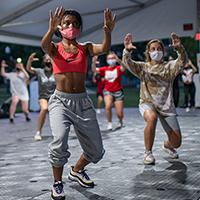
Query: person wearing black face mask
{"x": 47, "y": 66}
{"x": 18, "y": 88}
{"x": 46, "y": 88}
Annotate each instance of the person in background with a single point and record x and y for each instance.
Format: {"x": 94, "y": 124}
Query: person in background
{"x": 18, "y": 88}
{"x": 113, "y": 91}
{"x": 156, "y": 98}
{"x": 46, "y": 83}
{"x": 176, "y": 91}
{"x": 189, "y": 86}
{"x": 70, "y": 104}
{"x": 100, "y": 83}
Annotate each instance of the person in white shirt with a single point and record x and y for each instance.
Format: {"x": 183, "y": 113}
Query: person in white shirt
{"x": 189, "y": 86}
{"x": 18, "y": 88}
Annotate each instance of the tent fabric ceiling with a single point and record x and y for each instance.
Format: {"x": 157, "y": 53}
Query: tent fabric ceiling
{"x": 25, "y": 21}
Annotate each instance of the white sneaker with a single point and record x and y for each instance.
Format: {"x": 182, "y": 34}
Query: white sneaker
{"x": 187, "y": 109}
{"x": 109, "y": 126}
{"x": 149, "y": 158}
{"x": 37, "y": 136}
{"x": 98, "y": 111}
{"x": 171, "y": 152}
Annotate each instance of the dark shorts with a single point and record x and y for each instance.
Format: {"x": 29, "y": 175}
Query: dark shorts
{"x": 44, "y": 96}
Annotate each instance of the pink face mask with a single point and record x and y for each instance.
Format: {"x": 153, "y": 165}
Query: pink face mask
{"x": 70, "y": 33}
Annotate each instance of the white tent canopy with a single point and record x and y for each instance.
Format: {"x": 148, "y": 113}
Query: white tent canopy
{"x": 25, "y": 21}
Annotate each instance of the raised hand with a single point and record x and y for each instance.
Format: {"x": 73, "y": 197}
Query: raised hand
{"x": 94, "y": 59}
{"x": 128, "y": 42}
{"x": 176, "y": 42}
{"x": 55, "y": 19}
{"x": 3, "y": 63}
{"x": 32, "y": 57}
{"x": 109, "y": 20}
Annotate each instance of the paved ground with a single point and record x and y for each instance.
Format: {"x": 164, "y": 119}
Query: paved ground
{"x": 25, "y": 173}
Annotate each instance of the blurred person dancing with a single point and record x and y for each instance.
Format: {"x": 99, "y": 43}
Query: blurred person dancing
{"x": 18, "y": 88}
{"x": 189, "y": 86}
{"x": 113, "y": 91}
{"x": 70, "y": 104}
{"x": 156, "y": 98}
{"x": 175, "y": 87}
{"x": 100, "y": 83}
{"x": 46, "y": 83}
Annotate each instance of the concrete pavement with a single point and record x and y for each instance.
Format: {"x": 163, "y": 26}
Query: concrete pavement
{"x": 25, "y": 173}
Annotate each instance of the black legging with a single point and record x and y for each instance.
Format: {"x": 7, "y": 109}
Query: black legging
{"x": 189, "y": 90}
{"x": 176, "y": 91}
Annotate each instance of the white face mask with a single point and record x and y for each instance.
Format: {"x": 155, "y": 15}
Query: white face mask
{"x": 156, "y": 55}
{"x": 111, "y": 62}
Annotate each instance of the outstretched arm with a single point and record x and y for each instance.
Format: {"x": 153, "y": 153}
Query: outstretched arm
{"x": 109, "y": 23}
{"x": 54, "y": 21}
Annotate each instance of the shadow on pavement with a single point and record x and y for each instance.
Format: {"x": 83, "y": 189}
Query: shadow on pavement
{"x": 88, "y": 194}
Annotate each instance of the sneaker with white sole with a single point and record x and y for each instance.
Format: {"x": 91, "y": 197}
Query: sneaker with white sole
{"x": 57, "y": 192}
{"x": 149, "y": 158}
{"x": 81, "y": 177}
{"x": 171, "y": 152}
{"x": 37, "y": 136}
{"x": 109, "y": 126}
{"x": 187, "y": 109}
{"x": 98, "y": 111}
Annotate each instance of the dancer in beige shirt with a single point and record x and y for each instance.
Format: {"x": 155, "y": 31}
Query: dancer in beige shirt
{"x": 156, "y": 98}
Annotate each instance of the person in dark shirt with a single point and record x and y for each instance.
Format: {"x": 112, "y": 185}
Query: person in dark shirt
{"x": 47, "y": 86}
{"x": 189, "y": 86}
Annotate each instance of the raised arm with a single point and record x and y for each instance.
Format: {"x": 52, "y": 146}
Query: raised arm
{"x": 94, "y": 68}
{"x": 123, "y": 67}
{"x": 21, "y": 67}
{"x": 109, "y": 23}
{"x": 134, "y": 67}
{"x": 54, "y": 21}
{"x": 29, "y": 67}
{"x": 193, "y": 67}
{"x": 180, "y": 62}
{"x": 3, "y": 66}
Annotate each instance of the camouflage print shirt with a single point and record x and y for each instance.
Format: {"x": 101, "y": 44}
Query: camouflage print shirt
{"x": 157, "y": 80}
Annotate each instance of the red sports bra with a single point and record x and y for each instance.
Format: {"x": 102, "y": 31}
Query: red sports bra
{"x": 68, "y": 62}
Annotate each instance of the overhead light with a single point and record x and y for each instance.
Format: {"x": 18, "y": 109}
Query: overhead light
{"x": 19, "y": 60}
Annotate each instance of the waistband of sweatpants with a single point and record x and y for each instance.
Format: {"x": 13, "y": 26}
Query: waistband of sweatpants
{"x": 70, "y": 95}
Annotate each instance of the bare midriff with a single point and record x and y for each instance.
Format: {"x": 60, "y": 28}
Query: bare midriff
{"x": 70, "y": 82}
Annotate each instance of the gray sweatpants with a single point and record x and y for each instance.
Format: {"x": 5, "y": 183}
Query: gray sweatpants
{"x": 73, "y": 109}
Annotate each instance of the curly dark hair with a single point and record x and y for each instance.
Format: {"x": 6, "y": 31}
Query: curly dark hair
{"x": 73, "y": 13}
